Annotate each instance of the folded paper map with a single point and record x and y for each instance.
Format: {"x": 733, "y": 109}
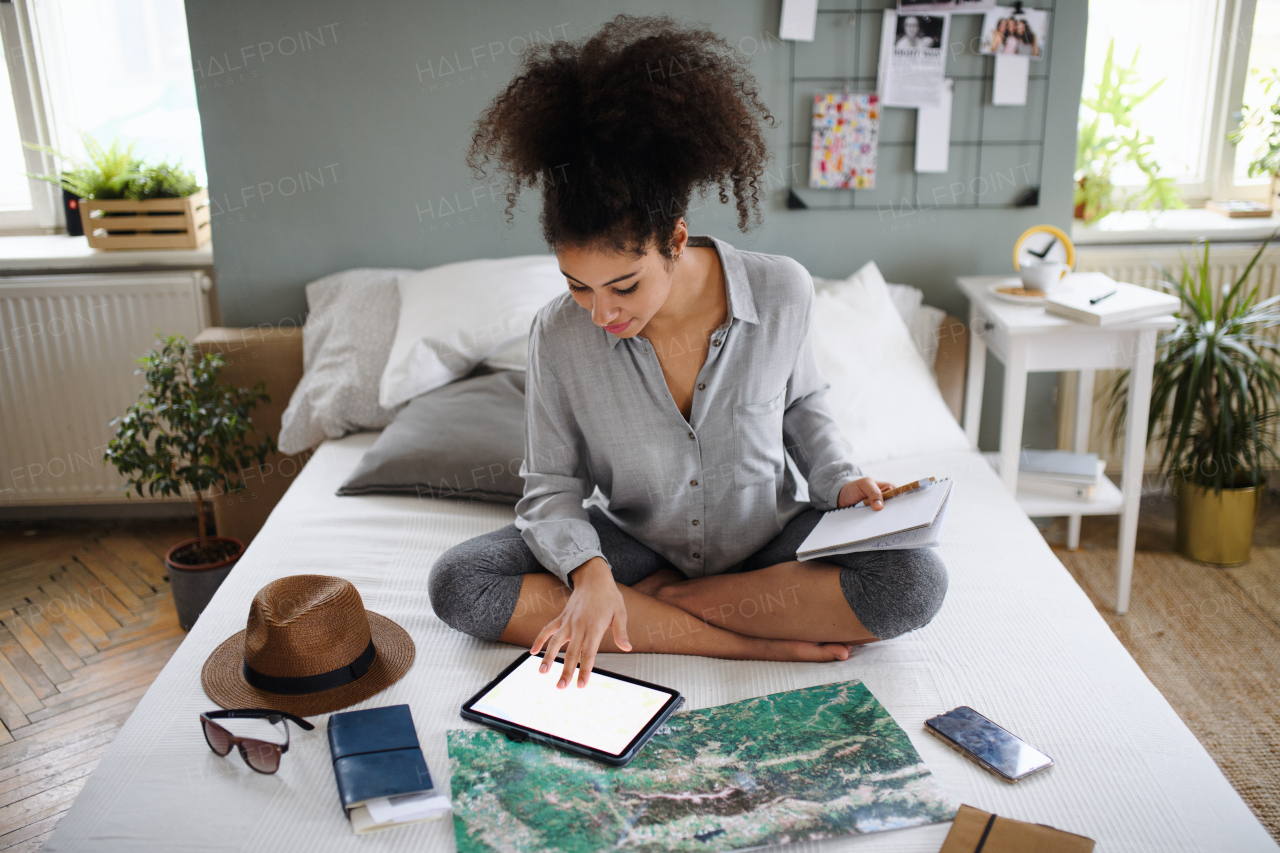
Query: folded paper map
{"x": 796, "y": 766}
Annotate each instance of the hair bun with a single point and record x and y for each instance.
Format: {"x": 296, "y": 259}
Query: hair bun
{"x": 619, "y": 129}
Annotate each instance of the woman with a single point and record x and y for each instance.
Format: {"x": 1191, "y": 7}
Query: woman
{"x": 911, "y": 35}
{"x": 674, "y": 375}
{"x": 1028, "y": 45}
{"x": 998, "y": 33}
{"x": 1011, "y": 42}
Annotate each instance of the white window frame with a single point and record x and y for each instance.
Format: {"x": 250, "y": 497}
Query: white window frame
{"x": 30, "y": 101}
{"x": 1236, "y": 42}
{"x": 1229, "y": 66}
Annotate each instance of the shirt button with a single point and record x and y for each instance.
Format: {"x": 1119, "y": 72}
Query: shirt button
{"x": 690, "y": 436}
{"x": 702, "y": 386}
{"x": 716, "y": 342}
{"x": 695, "y": 522}
{"x": 697, "y": 556}
{"x": 693, "y": 482}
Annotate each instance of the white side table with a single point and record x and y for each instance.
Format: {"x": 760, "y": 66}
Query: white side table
{"x": 1026, "y": 338}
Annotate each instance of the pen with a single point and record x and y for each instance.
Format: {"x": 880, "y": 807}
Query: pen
{"x": 1095, "y": 300}
{"x": 901, "y": 490}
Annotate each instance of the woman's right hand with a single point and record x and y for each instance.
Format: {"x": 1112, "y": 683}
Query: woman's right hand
{"x": 594, "y": 606}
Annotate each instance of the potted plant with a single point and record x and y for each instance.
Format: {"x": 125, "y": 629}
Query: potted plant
{"x": 1109, "y": 138}
{"x": 1214, "y": 394}
{"x": 1267, "y": 119}
{"x": 106, "y": 175}
{"x": 187, "y": 433}
{"x": 113, "y": 198}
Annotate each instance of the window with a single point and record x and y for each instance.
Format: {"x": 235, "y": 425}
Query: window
{"x": 1264, "y": 61}
{"x": 1201, "y": 49}
{"x": 135, "y": 83}
{"x": 15, "y": 193}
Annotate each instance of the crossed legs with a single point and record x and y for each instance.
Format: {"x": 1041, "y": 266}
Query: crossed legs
{"x": 771, "y": 607}
{"x": 657, "y": 626}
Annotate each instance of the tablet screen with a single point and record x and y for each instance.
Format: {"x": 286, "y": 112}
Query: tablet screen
{"x": 606, "y": 715}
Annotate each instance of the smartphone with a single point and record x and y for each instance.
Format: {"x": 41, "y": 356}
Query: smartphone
{"x": 994, "y": 747}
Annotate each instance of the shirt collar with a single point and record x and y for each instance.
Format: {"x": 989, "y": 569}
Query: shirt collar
{"x": 742, "y": 306}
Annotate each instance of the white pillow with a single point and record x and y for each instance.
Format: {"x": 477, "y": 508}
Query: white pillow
{"x": 512, "y": 356}
{"x": 905, "y": 298}
{"x": 925, "y": 328}
{"x": 883, "y": 395}
{"x": 453, "y": 316}
{"x": 922, "y": 321}
{"x": 351, "y": 319}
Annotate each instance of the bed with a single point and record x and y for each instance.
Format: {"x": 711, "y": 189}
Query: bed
{"x": 1016, "y": 639}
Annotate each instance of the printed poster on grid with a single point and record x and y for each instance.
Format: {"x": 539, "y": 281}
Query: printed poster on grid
{"x": 843, "y": 152}
{"x": 913, "y": 59}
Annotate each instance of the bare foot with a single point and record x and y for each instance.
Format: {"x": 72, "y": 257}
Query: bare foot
{"x": 656, "y": 581}
{"x": 802, "y": 650}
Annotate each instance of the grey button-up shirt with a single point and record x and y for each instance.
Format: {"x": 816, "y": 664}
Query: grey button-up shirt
{"x": 705, "y": 493}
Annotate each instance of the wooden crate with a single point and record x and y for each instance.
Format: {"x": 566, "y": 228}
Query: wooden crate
{"x": 158, "y": 223}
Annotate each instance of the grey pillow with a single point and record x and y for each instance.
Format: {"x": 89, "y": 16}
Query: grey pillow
{"x": 351, "y": 322}
{"x": 465, "y": 440}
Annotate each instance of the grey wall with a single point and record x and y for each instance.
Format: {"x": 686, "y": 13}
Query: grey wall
{"x": 335, "y": 134}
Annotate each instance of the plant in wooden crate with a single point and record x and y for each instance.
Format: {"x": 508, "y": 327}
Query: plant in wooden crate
{"x": 1215, "y": 402}
{"x": 187, "y": 434}
{"x": 106, "y": 174}
{"x": 122, "y": 202}
{"x": 1109, "y": 138}
{"x": 1265, "y": 118}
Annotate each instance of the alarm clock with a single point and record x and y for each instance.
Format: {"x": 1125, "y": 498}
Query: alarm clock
{"x": 1044, "y": 244}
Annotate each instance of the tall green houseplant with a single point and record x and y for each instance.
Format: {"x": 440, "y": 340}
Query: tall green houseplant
{"x": 1109, "y": 137}
{"x": 187, "y": 433}
{"x": 1215, "y": 402}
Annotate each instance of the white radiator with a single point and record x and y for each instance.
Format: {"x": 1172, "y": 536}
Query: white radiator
{"x": 1134, "y": 264}
{"x": 67, "y": 350}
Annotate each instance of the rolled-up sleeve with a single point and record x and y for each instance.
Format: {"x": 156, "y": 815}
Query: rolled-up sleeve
{"x": 810, "y": 430}
{"x": 550, "y": 515}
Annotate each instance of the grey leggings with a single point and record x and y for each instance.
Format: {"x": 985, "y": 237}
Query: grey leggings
{"x": 475, "y": 585}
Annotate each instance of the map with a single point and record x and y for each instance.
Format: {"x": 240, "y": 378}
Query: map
{"x": 607, "y": 714}
{"x": 796, "y": 766}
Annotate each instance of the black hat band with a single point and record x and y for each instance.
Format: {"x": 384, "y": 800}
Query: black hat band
{"x": 296, "y": 685}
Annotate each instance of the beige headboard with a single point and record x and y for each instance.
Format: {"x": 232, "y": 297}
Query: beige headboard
{"x": 951, "y": 364}
{"x": 274, "y": 357}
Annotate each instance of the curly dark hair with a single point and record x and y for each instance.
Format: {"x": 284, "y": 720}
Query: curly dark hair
{"x": 620, "y": 128}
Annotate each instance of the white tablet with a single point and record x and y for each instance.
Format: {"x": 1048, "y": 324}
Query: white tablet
{"x": 609, "y": 720}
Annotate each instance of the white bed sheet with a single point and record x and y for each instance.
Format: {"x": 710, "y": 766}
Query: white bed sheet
{"x": 1017, "y": 639}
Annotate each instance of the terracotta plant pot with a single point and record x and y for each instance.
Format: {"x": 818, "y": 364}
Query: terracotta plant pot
{"x": 194, "y": 585}
{"x": 1217, "y": 529}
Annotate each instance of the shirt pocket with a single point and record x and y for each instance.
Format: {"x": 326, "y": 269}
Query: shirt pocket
{"x": 757, "y": 435}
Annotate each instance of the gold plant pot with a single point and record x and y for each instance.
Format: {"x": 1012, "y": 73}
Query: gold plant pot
{"x": 1217, "y": 529}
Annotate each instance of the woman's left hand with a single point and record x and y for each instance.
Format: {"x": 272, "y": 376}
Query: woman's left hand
{"x": 864, "y": 487}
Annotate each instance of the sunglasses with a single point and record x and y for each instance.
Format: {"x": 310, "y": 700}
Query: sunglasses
{"x": 261, "y": 755}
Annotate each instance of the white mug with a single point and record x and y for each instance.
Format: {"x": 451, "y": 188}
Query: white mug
{"x": 1043, "y": 277}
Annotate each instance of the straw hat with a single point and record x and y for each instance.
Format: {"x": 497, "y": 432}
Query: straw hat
{"x": 310, "y": 648}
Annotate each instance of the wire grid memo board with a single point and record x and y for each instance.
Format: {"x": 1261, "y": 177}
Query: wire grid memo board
{"x": 996, "y": 152}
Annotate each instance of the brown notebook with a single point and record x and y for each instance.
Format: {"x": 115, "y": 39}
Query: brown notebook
{"x": 976, "y": 831}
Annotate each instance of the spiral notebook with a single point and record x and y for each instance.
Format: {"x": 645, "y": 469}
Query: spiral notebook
{"x": 912, "y": 520}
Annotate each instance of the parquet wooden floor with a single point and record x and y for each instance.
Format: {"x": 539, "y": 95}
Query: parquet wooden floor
{"x": 86, "y": 623}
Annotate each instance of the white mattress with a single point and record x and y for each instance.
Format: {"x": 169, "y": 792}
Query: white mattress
{"x": 1017, "y": 639}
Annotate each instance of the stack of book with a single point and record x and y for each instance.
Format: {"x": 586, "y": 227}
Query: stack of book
{"x": 1099, "y": 300}
{"x": 1060, "y": 473}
